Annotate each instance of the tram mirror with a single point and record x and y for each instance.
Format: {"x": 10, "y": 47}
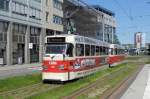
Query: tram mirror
{"x": 63, "y": 56}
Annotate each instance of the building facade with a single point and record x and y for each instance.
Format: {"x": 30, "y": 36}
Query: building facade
{"x": 23, "y": 25}
{"x": 53, "y": 15}
{"x": 92, "y": 21}
{"x": 108, "y": 23}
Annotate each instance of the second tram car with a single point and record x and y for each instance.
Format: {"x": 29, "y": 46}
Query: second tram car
{"x": 69, "y": 57}
{"x": 116, "y": 54}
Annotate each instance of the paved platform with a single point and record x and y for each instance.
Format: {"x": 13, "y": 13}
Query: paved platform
{"x": 140, "y": 88}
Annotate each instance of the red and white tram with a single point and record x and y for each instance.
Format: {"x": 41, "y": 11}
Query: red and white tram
{"x": 116, "y": 54}
{"x": 69, "y": 57}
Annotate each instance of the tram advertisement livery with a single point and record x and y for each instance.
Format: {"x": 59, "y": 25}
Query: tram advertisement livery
{"x": 69, "y": 57}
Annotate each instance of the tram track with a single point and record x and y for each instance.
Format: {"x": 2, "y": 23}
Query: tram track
{"x": 118, "y": 90}
{"x": 102, "y": 89}
{"x": 35, "y": 89}
{"x": 98, "y": 82}
{"x": 28, "y": 91}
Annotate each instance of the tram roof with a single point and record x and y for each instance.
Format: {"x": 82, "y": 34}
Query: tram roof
{"x": 116, "y": 46}
{"x": 82, "y": 40}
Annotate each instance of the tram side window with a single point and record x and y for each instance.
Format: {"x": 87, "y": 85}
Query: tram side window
{"x": 87, "y": 50}
{"x": 1, "y": 54}
{"x": 107, "y": 50}
{"x": 70, "y": 50}
{"x": 79, "y": 50}
{"x": 116, "y": 52}
{"x": 97, "y": 50}
{"x": 104, "y": 50}
{"x": 101, "y": 50}
{"x": 92, "y": 50}
{"x": 120, "y": 51}
{"x": 112, "y": 51}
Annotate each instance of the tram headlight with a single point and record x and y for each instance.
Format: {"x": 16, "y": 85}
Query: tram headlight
{"x": 62, "y": 67}
{"x": 45, "y": 67}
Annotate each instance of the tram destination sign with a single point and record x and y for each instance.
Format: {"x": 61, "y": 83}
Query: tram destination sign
{"x": 55, "y": 39}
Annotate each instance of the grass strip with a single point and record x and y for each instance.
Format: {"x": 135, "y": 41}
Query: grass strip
{"x": 108, "y": 84}
{"x": 74, "y": 86}
{"x": 148, "y": 60}
{"x": 19, "y": 81}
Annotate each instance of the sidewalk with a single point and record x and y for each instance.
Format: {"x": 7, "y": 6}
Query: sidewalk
{"x": 138, "y": 89}
{"x": 19, "y": 66}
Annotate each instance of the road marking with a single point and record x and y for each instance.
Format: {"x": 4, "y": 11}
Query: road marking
{"x": 147, "y": 89}
{"x": 35, "y": 68}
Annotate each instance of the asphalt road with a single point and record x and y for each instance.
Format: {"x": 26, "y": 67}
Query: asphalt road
{"x": 19, "y": 71}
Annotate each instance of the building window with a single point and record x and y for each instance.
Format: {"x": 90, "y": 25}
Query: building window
{"x": 35, "y": 13}
{"x": 46, "y": 3}
{"x": 3, "y": 26}
{"x": 1, "y": 37}
{"x": 19, "y": 28}
{"x": 57, "y": 19}
{"x": 38, "y": 1}
{"x": 49, "y": 32}
{"x": 57, "y": 4}
{"x": 35, "y": 31}
{"x": 34, "y": 35}
{"x": 4, "y": 5}
{"x": 19, "y": 8}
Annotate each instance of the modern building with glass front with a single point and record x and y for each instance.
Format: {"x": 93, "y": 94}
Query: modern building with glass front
{"x": 23, "y": 25}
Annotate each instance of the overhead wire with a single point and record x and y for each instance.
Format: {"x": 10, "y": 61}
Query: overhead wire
{"x": 124, "y": 11}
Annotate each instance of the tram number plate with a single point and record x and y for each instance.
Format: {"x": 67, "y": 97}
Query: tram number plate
{"x": 53, "y": 63}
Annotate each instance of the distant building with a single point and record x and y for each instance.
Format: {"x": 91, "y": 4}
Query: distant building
{"x": 128, "y": 46}
{"x": 139, "y": 40}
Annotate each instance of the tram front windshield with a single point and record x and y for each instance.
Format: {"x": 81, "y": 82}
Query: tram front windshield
{"x": 65, "y": 49}
{"x": 56, "y": 48}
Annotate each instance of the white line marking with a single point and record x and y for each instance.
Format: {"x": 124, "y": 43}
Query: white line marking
{"x": 147, "y": 89}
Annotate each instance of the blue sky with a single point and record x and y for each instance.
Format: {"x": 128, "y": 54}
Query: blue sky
{"x": 131, "y": 15}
